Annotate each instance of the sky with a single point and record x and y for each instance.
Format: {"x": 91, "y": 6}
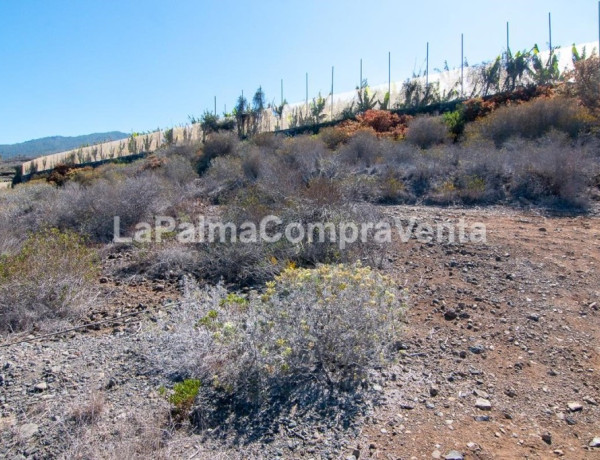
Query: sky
{"x": 72, "y": 67}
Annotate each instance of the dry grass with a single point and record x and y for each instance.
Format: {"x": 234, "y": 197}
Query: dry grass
{"x": 88, "y": 412}
{"x": 139, "y": 436}
{"x": 50, "y": 279}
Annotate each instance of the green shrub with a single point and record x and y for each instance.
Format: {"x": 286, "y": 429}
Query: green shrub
{"x": 168, "y": 136}
{"x": 456, "y": 123}
{"x": 209, "y": 123}
{"x": 472, "y": 188}
{"x": 183, "y": 397}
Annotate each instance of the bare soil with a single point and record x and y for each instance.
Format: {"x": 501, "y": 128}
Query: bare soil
{"x": 526, "y": 338}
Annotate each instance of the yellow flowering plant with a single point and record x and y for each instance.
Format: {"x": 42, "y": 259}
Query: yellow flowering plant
{"x": 309, "y": 329}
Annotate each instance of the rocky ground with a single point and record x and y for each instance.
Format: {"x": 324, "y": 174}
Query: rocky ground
{"x": 500, "y": 359}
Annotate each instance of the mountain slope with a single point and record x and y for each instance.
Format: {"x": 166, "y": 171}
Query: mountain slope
{"x": 54, "y": 144}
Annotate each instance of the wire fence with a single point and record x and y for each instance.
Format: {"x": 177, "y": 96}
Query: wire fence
{"x": 440, "y": 87}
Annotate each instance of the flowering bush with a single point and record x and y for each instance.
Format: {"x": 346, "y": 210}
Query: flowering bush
{"x": 324, "y": 327}
{"x": 334, "y": 320}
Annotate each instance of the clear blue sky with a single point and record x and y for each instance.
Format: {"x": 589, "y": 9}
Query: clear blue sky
{"x": 72, "y": 67}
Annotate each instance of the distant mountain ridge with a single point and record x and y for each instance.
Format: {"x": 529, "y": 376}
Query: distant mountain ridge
{"x": 54, "y": 144}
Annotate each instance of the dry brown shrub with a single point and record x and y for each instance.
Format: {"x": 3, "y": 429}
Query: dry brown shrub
{"x": 323, "y": 190}
{"x": 363, "y": 149}
{"x": 533, "y": 119}
{"x": 138, "y": 436}
{"x": 381, "y": 122}
{"x": 583, "y": 82}
{"x": 427, "y": 131}
{"x": 217, "y": 144}
{"x": 50, "y": 279}
{"x": 333, "y": 137}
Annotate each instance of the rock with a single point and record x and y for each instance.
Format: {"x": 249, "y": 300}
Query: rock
{"x": 533, "y": 317}
{"x": 42, "y": 386}
{"x": 477, "y": 349}
{"x": 510, "y": 392}
{"x": 454, "y": 455}
{"x": 434, "y": 391}
{"x": 159, "y": 287}
{"x": 28, "y": 430}
{"x": 595, "y": 442}
{"x": 570, "y": 420}
{"x": 575, "y": 406}
{"x": 542, "y": 229}
{"x": 481, "y": 394}
{"x": 103, "y": 280}
{"x": 482, "y": 418}
{"x": 483, "y": 404}
{"x": 407, "y": 406}
{"x": 547, "y": 438}
{"x": 377, "y": 388}
{"x": 436, "y": 454}
{"x": 450, "y": 315}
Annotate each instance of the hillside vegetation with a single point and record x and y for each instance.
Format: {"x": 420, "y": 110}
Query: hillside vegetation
{"x": 535, "y": 146}
{"x": 508, "y": 74}
{"x": 250, "y": 338}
